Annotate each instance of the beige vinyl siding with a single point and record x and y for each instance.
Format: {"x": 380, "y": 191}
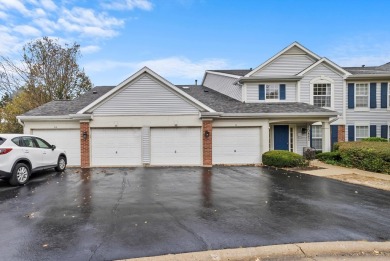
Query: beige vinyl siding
{"x": 322, "y": 70}
{"x": 252, "y": 92}
{"x": 223, "y": 84}
{"x": 286, "y": 65}
{"x": 375, "y": 116}
{"x": 145, "y": 96}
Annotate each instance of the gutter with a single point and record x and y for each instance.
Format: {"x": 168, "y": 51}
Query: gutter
{"x": 58, "y": 118}
{"x": 270, "y": 79}
{"x": 368, "y": 77}
{"x": 268, "y": 115}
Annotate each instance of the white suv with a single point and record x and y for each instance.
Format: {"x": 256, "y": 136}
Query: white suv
{"x": 21, "y": 155}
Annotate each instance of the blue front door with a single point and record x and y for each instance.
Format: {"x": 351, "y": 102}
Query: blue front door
{"x": 281, "y": 137}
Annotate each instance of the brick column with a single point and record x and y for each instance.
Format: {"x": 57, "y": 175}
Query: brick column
{"x": 84, "y": 144}
{"x": 341, "y": 133}
{"x": 207, "y": 142}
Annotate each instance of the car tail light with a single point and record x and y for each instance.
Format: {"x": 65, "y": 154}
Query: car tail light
{"x": 5, "y": 151}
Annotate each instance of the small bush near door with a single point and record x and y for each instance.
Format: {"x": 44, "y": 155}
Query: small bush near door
{"x": 283, "y": 158}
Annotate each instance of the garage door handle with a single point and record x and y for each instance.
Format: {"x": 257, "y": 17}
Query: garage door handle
{"x": 175, "y": 151}
{"x": 235, "y": 151}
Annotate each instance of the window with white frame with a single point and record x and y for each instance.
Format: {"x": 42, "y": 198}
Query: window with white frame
{"x": 362, "y": 132}
{"x": 322, "y": 94}
{"x": 388, "y": 94}
{"x": 316, "y": 137}
{"x": 272, "y": 92}
{"x": 361, "y": 95}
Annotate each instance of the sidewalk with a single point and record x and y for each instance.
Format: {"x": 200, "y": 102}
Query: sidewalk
{"x": 343, "y": 250}
{"x": 355, "y": 176}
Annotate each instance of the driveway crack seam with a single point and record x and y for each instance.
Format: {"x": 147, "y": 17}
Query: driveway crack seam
{"x": 185, "y": 227}
{"x": 300, "y": 248}
{"x": 114, "y": 211}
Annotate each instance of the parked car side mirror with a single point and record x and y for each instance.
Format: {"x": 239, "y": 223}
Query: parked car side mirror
{"x": 53, "y": 147}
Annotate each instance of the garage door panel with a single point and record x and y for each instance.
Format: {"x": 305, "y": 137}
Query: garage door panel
{"x": 116, "y": 147}
{"x": 175, "y": 146}
{"x": 236, "y": 145}
{"x": 68, "y": 140}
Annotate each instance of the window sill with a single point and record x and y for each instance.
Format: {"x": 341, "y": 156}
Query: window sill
{"x": 362, "y": 109}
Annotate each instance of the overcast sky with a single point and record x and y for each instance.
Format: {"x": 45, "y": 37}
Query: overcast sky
{"x": 180, "y": 39}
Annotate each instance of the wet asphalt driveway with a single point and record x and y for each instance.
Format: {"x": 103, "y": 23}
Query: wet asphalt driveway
{"x": 101, "y": 214}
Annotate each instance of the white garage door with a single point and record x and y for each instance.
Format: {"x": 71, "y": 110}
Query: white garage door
{"x": 175, "y": 146}
{"x": 69, "y": 140}
{"x": 236, "y": 145}
{"x": 116, "y": 147}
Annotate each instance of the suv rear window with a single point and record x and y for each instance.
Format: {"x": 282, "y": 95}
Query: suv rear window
{"x": 2, "y": 140}
{"x": 18, "y": 141}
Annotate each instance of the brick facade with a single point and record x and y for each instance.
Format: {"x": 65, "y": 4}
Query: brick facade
{"x": 341, "y": 133}
{"x": 84, "y": 127}
{"x": 207, "y": 142}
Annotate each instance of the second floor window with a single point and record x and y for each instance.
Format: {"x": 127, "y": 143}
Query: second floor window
{"x": 322, "y": 94}
{"x": 271, "y": 92}
{"x": 361, "y": 95}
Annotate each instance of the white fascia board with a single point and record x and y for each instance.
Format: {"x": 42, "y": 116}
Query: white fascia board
{"x": 48, "y": 118}
{"x": 271, "y": 115}
{"x": 368, "y": 77}
{"x": 133, "y": 77}
{"x": 327, "y": 61}
{"x": 280, "y": 53}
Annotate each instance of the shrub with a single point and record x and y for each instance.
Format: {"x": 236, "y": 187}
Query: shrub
{"x": 375, "y": 139}
{"x": 329, "y": 156}
{"x": 283, "y": 158}
{"x": 371, "y": 156}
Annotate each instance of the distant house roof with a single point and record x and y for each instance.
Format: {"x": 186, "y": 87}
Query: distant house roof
{"x": 66, "y": 107}
{"x": 238, "y": 72}
{"x": 382, "y": 69}
{"x": 222, "y": 103}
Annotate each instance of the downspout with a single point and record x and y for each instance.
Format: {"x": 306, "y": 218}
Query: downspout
{"x": 20, "y": 122}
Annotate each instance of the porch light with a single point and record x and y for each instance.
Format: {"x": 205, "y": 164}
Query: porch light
{"x": 85, "y": 135}
{"x": 303, "y": 130}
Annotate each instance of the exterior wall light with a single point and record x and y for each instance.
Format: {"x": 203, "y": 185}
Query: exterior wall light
{"x": 85, "y": 135}
{"x": 206, "y": 134}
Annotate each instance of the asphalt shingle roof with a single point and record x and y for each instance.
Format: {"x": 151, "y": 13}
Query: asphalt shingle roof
{"x": 382, "y": 69}
{"x": 222, "y": 103}
{"x": 65, "y": 107}
{"x": 239, "y": 72}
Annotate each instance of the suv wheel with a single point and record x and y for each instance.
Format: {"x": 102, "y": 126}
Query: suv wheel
{"x": 61, "y": 165}
{"x": 20, "y": 175}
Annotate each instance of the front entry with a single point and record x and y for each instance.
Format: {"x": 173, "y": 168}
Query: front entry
{"x": 281, "y": 137}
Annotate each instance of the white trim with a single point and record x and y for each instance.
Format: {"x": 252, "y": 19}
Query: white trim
{"x": 222, "y": 74}
{"x": 324, "y": 60}
{"x": 345, "y": 105}
{"x": 133, "y": 77}
{"x": 298, "y": 91}
{"x": 388, "y": 95}
{"x": 362, "y": 124}
{"x": 70, "y": 117}
{"x": 368, "y": 97}
{"x": 294, "y": 44}
{"x": 323, "y": 80}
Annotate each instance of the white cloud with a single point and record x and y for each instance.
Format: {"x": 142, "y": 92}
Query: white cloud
{"x": 27, "y": 30}
{"x": 89, "y": 23}
{"x": 89, "y": 49}
{"x": 128, "y": 5}
{"x": 39, "y": 12}
{"x": 9, "y": 42}
{"x": 48, "y": 5}
{"x": 46, "y": 25}
{"x": 3, "y": 15}
{"x": 14, "y": 4}
{"x": 176, "y": 68}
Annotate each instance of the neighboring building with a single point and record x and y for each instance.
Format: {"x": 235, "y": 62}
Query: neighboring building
{"x": 359, "y": 94}
{"x": 294, "y": 100}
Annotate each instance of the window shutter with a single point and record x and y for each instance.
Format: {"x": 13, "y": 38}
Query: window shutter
{"x": 282, "y": 92}
{"x": 384, "y": 131}
{"x": 262, "y": 92}
{"x": 334, "y": 134}
{"x": 373, "y": 95}
{"x": 372, "y": 130}
{"x": 351, "y": 95}
{"x": 351, "y": 132}
{"x": 311, "y": 136}
{"x": 384, "y": 95}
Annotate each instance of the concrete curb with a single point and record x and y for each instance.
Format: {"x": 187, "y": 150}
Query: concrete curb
{"x": 281, "y": 252}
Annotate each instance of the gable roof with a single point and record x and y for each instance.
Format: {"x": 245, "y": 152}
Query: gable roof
{"x": 382, "y": 69}
{"x": 222, "y": 103}
{"x": 135, "y": 76}
{"x": 66, "y": 107}
{"x": 293, "y": 45}
{"x": 326, "y": 61}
